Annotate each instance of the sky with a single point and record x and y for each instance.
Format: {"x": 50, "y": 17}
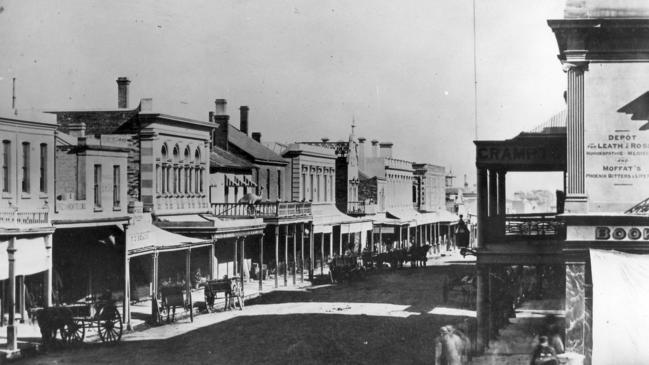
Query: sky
{"x": 403, "y": 70}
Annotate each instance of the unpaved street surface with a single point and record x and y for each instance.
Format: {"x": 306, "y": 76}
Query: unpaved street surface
{"x": 383, "y": 319}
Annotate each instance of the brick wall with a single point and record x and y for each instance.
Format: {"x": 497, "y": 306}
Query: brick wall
{"x": 66, "y": 174}
{"x": 97, "y": 122}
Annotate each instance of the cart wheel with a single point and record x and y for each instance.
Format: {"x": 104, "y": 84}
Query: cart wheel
{"x": 109, "y": 324}
{"x": 74, "y": 332}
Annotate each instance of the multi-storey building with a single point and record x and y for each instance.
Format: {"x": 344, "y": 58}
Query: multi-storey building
{"x": 313, "y": 173}
{"x": 167, "y": 180}
{"x": 286, "y": 219}
{"x": 591, "y": 253}
{"x": 90, "y": 213}
{"x": 27, "y": 195}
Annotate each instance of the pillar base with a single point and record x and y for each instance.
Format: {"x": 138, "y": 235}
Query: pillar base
{"x": 576, "y": 204}
{"x": 12, "y": 338}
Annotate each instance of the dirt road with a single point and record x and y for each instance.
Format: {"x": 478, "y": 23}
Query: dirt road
{"x": 383, "y": 319}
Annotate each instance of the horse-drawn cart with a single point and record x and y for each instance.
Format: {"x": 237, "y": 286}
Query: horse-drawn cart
{"x": 73, "y": 321}
{"x": 101, "y": 314}
{"x": 230, "y": 287}
{"x": 343, "y": 268}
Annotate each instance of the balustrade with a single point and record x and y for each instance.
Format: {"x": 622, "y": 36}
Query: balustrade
{"x": 262, "y": 209}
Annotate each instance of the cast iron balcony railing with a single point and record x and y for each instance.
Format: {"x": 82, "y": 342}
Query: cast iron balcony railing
{"x": 532, "y": 225}
{"x": 262, "y": 210}
{"x": 17, "y": 218}
{"x": 361, "y": 208}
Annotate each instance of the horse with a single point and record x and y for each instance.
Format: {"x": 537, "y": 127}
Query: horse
{"x": 451, "y": 347}
{"x": 417, "y": 255}
{"x": 53, "y": 319}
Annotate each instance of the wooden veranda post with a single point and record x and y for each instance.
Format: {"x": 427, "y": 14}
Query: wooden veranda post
{"x": 286, "y": 256}
{"x": 294, "y": 266}
{"x": 261, "y": 261}
{"x": 276, "y": 256}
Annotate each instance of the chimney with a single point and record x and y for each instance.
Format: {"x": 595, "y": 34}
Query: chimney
{"x": 77, "y": 129}
{"x": 256, "y": 136}
{"x": 122, "y": 92}
{"x": 220, "y": 133}
{"x": 386, "y": 149}
{"x": 146, "y": 105}
{"x": 361, "y": 153}
{"x": 243, "y": 112}
{"x": 375, "y": 148}
{"x": 325, "y": 140}
{"x": 211, "y": 116}
{"x": 220, "y": 106}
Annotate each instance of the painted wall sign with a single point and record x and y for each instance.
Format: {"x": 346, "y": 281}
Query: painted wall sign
{"x": 616, "y": 136}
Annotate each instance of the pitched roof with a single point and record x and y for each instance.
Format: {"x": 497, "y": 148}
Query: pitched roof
{"x": 220, "y": 158}
{"x": 256, "y": 150}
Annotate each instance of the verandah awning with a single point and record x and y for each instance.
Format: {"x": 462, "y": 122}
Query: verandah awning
{"x": 325, "y": 216}
{"x": 150, "y": 239}
{"x": 30, "y": 257}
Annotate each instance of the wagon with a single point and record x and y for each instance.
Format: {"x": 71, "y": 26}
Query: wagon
{"x": 229, "y": 286}
{"x": 345, "y": 268}
{"x": 171, "y": 297}
{"x": 100, "y": 314}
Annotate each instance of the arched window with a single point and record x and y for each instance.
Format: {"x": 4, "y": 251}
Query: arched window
{"x": 197, "y": 155}
{"x": 187, "y": 155}
{"x": 164, "y": 176}
{"x": 176, "y": 171}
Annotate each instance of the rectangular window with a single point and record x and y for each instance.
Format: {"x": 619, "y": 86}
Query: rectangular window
{"x": 279, "y": 185}
{"x": 97, "y": 186}
{"x": 268, "y": 184}
{"x": 226, "y": 193}
{"x": 312, "y": 187}
{"x": 158, "y": 179}
{"x": 200, "y": 182}
{"x": 303, "y": 186}
{"x": 190, "y": 176}
{"x": 318, "y": 190}
{"x": 325, "y": 187}
{"x": 25, "y": 183}
{"x": 165, "y": 179}
{"x": 43, "y": 169}
{"x": 116, "y": 186}
{"x": 6, "y": 162}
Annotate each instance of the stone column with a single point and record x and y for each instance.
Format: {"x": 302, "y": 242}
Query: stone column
{"x": 380, "y": 239}
{"x": 482, "y": 206}
{"x": 322, "y": 242}
{"x": 294, "y": 266}
{"x": 576, "y": 200}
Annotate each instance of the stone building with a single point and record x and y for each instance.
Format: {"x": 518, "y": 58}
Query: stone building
{"x": 287, "y": 220}
{"x": 27, "y": 182}
{"x": 313, "y": 172}
{"x": 90, "y": 213}
{"x": 586, "y": 256}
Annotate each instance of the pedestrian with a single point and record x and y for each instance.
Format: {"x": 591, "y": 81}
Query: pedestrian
{"x": 451, "y": 347}
{"x": 544, "y": 354}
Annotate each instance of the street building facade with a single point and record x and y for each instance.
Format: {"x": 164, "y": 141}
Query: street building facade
{"x": 27, "y": 181}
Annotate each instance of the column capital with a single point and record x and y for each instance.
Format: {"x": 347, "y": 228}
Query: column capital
{"x": 575, "y": 66}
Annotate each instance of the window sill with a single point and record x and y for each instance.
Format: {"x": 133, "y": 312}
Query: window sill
{"x": 117, "y": 209}
{"x": 25, "y": 195}
{"x": 43, "y": 196}
{"x": 98, "y": 209}
{"x": 6, "y": 195}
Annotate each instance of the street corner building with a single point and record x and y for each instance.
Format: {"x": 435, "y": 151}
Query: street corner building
{"x": 586, "y": 261}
